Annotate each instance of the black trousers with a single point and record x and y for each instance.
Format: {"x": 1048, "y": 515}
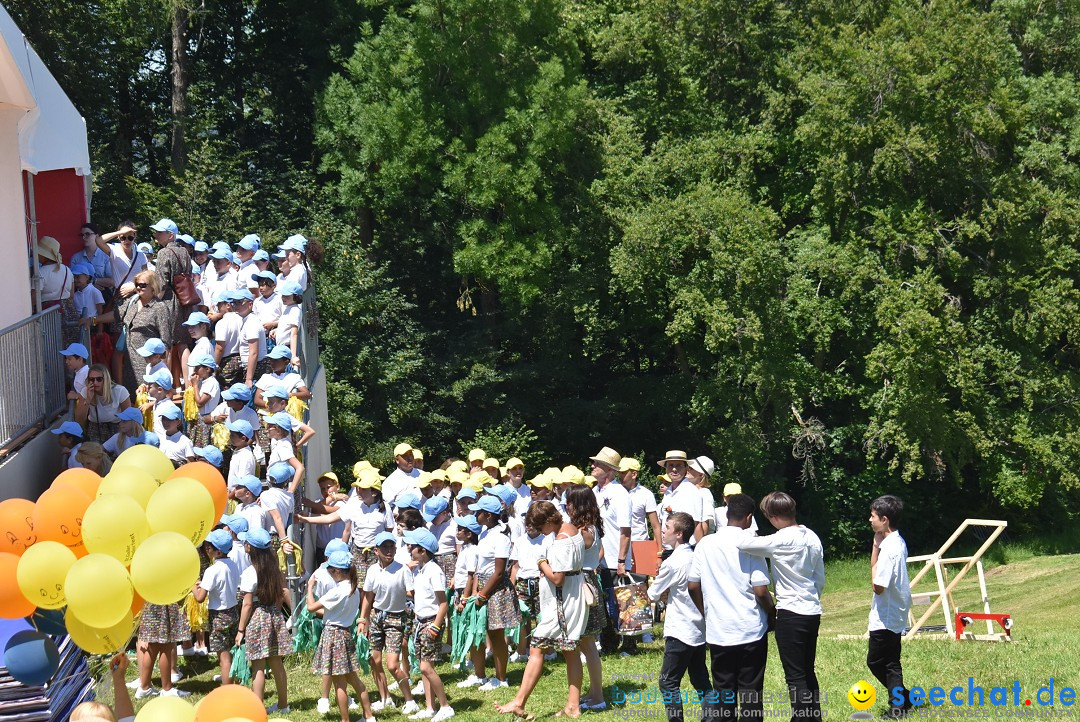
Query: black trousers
{"x": 738, "y": 673}
{"x": 796, "y": 640}
{"x": 680, "y": 658}
{"x": 609, "y": 636}
{"x": 883, "y": 659}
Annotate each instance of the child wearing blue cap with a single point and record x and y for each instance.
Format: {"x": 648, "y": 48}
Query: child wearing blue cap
{"x": 158, "y": 390}
{"x": 428, "y": 586}
{"x": 104, "y": 400}
{"x": 267, "y": 304}
{"x": 153, "y": 350}
{"x": 130, "y": 432}
{"x": 76, "y": 363}
{"x": 237, "y": 525}
{"x": 69, "y": 436}
{"x": 436, "y": 512}
{"x": 286, "y": 333}
{"x": 199, "y": 327}
{"x": 206, "y": 395}
{"x": 279, "y": 428}
{"x": 293, "y": 265}
{"x": 87, "y": 298}
{"x": 276, "y": 400}
{"x": 279, "y": 499}
{"x": 175, "y": 444}
{"x": 383, "y": 621}
{"x": 241, "y": 456}
{"x": 252, "y": 343}
{"x": 218, "y": 588}
{"x": 281, "y": 375}
{"x": 227, "y": 333}
{"x": 262, "y": 625}
{"x": 467, "y": 531}
{"x": 233, "y": 407}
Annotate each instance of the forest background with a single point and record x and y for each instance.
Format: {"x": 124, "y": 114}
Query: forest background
{"x": 832, "y": 244}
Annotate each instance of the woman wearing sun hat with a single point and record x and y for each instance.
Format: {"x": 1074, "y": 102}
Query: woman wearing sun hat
{"x": 700, "y": 471}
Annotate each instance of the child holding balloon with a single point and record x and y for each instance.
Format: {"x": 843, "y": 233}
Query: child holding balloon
{"x": 218, "y": 588}
{"x": 336, "y": 653}
{"x": 262, "y": 625}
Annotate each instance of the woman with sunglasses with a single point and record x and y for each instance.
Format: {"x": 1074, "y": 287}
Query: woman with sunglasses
{"x": 126, "y": 259}
{"x": 144, "y": 317}
{"x": 104, "y": 401}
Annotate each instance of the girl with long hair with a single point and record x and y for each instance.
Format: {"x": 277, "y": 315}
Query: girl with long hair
{"x": 104, "y": 400}
{"x": 585, "y": 515}
{"x": 262, "y": 624}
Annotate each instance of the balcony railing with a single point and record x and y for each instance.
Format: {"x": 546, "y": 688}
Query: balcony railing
{"x": 32, "y": 388}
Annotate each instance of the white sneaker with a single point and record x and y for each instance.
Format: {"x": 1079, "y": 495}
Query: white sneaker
{"x": 418, "y": 689}
{"x": 323, "y": 705}
{"x": 217, "y": 677}
{"x": 410, "y": 707}
{"x": 174, "y": 692}
{"x": 200, "y": 651}
{"x": 177, "y": 675}
{"x": 280, "y": 710}
{"x": 444, "y": 713}
{"x": 133, "y": 684}
{"x": 189, "y": 652}
{"x": 352, "y": 703}
{"x": 423, "y": 714}
{"x": 517, "y": 657}
{"x": 144, "y": 693}
{"x": 493, "y": 683}
{"x": 471, "y": 681}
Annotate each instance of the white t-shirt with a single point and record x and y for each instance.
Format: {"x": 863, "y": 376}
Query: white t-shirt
{"x": 446, "y": 533}
{"x": 521, "y": 504}
{"x": 203, "y": 346}
{"x": 493, "y": 545}
{"x": 367, "y": 521}
{"x": 721, "y": 519}
{"x": 118, "y": 443}
{"x": 283, "y": 501}
{"x": 526, "y": 552}
{"x": 267, "y": 309}
{"x": 104, "y": 413}
{"x": 72, "y": 462}
{"x": 227, "y": 332}
{"x": 727, "y": 577}
{"x": 466, "y": 562}
{"x": 221, "y": 580}
{"x": 252, "y": 331}
{"x": 424, "y": 583}
{"x": 79, "y": 384}
{"x": 324, "y": 533}
{"x": 614, "y": 503}
{"x": 239, "y": 556}
{"x": 323, "y": 581}
{"x": 682, "y": 620}
{"x": 798, "y": 566}
{"x": 707, "y": 505}
{"x": 241, "y": 464}
{"x": 684, "y": 498}
{"x": 287, "y": 325}
{"x": 889, "y": 610}
{"x": 56, "y": 282}
{"x": 280, "y": 450}
{"x": 290, "y": 380}
{"x": 178, "y": 448}
{"x": 214, "y": 285}
{"x": 396, "y": 483}
{"x": 642, "y": 503}
{"x": 256, "y": 515}
{"x": 388, "y": 585}
{"x": 87, "y": 299}
{"x": 121, "y": 264}
{"x": 297, "y": 273}
{"x": 341, "y": 604}
{"x": 211, "y": 388}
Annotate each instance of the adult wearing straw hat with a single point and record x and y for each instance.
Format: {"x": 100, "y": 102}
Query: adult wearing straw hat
{"x": 681, "y": 494}
{"x": 614, "y": 503}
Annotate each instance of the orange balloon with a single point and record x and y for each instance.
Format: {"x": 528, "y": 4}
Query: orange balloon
{"x": 210, "y": 478}
{"x": 13, "y": 604}
{"x": 83, "y": 480}
{"x": 58, "y": 516}
{"x": 16, "y": 525}
{"x": 230, "y": 701}
{"x": 137, "y": 602}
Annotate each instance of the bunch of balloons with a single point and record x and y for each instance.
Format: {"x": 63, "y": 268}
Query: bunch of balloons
{"x": 100, "y": 548}
{"x": 228, "y": 703}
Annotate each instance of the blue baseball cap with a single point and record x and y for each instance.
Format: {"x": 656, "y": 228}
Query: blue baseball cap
{"x": 201, "y": 247}
{"x": 281, "y": 419}
{"x": 165, "y": 224}
{"x": 467, "y": 493}
{"x": 240, "y": 426}
{"x": 277, "y": 391}
{"x": 83, "y": 269}
{"x": 221, "y": 297}
{"x": 423, "y": 538}
{"x": 220, "y": 540}
{"x": 169, "y": 410}
{"x": 409, "y": 500}
{"x": 202, "y": 359}
{"x": 295, "y": 242}
{"x": 265, "y": 275}
{"x": 161, "y": 377}
{"x": 186, "y": 239}
{"x": 261, "y": 255}
{"x": 383, "y": 537}
{"x": 336, "y": 545}
{"x": 279, "y": 353}
{"x": 339, "y": 560}
{"x": 76, "y": 349}
{"x": 433, "y": 507}
{"x": 280, "y": 473}
{"x": 257, "y": 537}
{"x": 487, "y": 503}
{"x": 505, "y": 492}
{"x": 469, "y": 522}
{"x": 151, "y": 347}
{"x": 241, "y": 294}
{"x": 249, "y": 482}
{"x": 216, "y": 245}
{"x": 211, "y": 454}
{"x": 131, "y": 413}
{"x": 151, "y": 439}
{"x": 280, "y": 252}
{"x": 291, "y": 288}
{"x": 236, "y": 522}
{"x": 145, "y": 248}
{"x": 222, "y": 254}
{"x": 196, "y": 318}
{"x": 237, "y": 392}
{"x": 69, "y": 427}
{"x": 250, "y": 242}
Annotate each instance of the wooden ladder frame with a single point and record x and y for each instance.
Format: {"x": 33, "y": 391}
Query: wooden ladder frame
{"x": 943, "y": 594}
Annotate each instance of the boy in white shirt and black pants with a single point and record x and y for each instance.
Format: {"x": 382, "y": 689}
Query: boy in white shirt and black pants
{"x": 684, "y": 625}
{"x": 892, "y": 600}
{"x": 798, "y": 568}
{"x": 731, "y": 589}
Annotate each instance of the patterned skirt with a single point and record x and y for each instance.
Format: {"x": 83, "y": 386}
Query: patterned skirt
{"x": 447, "y": 562}
{"x": 386, "y": 631}
{"x": 231, "y": 371}
{"x": 336, "y": 653}
{"x": 502, "y": 606}
{"x": 224, "y": 624}
{"x": 428, "y": 647}
{"x": 163, "y": 624}
{"x": 267, "y": 635}
{"x": 528, "y": 591}
{"x": 362, "y": 559}
{"x": 597, "y": 618}
{"x": 200, "y": 433}
{"x": 101, "y": 431}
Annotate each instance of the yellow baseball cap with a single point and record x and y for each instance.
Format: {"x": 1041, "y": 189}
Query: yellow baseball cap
{"x": 629, "y": 464}
{"x": 457, "y": 465}
{"x": 732, "y": 487}
{"x": 664, "y": 478}
{"x": 423, "y": 480}
{"x": 360, "y": 466}
{"x": 477, "y": 455}
{"x": 554, "y": 475}
{"x": 491, "y": 463}
{"x": 439, "y": 475}
{"x": 458, "y": 477}
{"x": 402, "y": 449}
{"x": 514, "y": 462}
{"x": 417, "y": 454}
{"x": 573, "y": 475}
{"x": 540, "y": 481}
{"x": 369, "y": 479}
{"x": 329, "y": 475}
{"x": 473, "y": 482}
{"x": 590, "y": 480}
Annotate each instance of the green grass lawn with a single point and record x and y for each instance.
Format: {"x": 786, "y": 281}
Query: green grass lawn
{"x": 1041, "y": 592}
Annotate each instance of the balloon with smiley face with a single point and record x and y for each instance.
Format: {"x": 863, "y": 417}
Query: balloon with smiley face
{"x": 58, "y": 517}
{"x": 16, "y": 525}
{"x": 41, "y": 573}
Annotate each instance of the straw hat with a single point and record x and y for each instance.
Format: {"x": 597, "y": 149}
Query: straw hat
{"x": 674, "y": 455}
{"x": 49, "y": 247}
{"x": 608, "y": 457}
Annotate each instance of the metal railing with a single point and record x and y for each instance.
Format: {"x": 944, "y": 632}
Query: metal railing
{"x": 32, "y": 389}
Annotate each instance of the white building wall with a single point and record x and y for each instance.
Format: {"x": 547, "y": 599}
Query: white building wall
{"x": 14, "y": 274}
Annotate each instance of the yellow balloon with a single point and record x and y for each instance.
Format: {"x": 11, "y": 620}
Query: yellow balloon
{"x": 131, "y": 482}
{"x": 164, "y": 568}
{"x": 99, "y": 590}
{"x": 100, "y": 641}
{"x": 42, "y": 571}
{"x": 166, "y": 709}
{"x": 114, "y": 524}
{"x": 148, "y": 458}
{"x": 181, "y": 505}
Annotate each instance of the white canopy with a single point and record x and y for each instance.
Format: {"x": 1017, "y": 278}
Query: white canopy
{"x": 52, "y": 135}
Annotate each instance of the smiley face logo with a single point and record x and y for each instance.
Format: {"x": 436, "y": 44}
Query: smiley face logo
{"x": 862, "y": 695}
